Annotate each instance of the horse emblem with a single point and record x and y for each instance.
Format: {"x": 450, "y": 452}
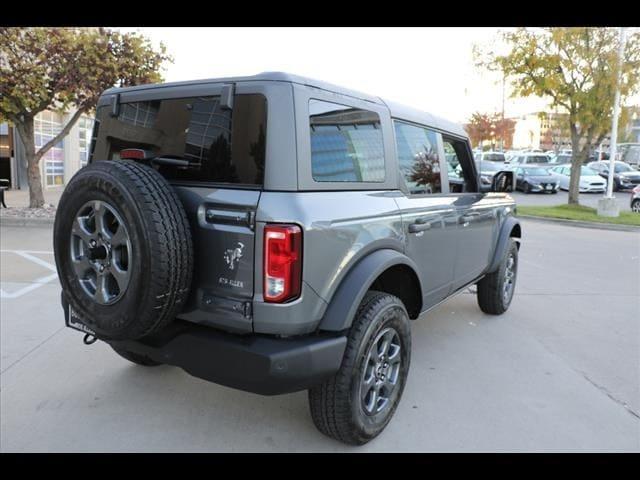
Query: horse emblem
{"x": 233, "y": 255}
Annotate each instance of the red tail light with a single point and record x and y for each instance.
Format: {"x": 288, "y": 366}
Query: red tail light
{"x": 282, "y": 262}
{"x": 134, "y": 154}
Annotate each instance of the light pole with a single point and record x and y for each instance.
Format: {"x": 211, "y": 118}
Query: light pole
{"x": 607, "y": 206}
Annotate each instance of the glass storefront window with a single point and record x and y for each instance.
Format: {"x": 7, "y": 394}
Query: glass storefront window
{"x": 47, "y": 125}
{"x": 85, "y": 125}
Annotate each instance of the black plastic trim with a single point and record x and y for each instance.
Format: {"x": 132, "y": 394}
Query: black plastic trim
{"x": 261, "y": 364}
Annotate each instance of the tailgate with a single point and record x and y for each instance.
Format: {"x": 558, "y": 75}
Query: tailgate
{"x": 222, "y": 224}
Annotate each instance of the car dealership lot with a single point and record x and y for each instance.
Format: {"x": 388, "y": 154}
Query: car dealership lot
{"x": 560, "y": 198}
{"x": 559, "y": 371}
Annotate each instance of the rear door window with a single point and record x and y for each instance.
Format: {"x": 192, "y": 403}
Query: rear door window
{"x": 217, "y": 145}
{"x": 346, "y": 143}
{"x": 418, "y": 158}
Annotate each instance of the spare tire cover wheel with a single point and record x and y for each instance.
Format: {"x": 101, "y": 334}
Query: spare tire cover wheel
{"x": 123, "y": 249}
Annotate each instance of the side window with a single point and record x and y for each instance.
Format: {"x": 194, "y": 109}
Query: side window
{"x": 418, "y": 158}
{"x": 346, "y": 143}
{"x": 459, "y": 166}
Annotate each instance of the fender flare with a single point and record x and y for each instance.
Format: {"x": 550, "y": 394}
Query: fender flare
{"x": 345, "y": 301}
{"x": 503, "y": 242}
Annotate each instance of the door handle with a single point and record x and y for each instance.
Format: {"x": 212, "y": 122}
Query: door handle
{"x": 420, "y": 225}
{"x": 468, "y": 217}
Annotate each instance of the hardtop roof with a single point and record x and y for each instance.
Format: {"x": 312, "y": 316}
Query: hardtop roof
{"x": 397, "y": 110}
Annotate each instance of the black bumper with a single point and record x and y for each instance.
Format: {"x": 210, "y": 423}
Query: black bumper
{"x": 255, "y": 363}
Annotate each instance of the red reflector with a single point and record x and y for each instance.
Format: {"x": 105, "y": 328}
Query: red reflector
{"x": 133, "y": 154}
{"x": 282, "y": 262}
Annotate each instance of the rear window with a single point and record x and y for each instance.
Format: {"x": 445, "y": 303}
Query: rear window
{"x": 494, "y": 157}
{"x": 346, "y": 143}
{"x": 220, "y": 146}
{"x": 538, "y": 159}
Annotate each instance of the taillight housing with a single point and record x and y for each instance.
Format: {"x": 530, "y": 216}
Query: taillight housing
{"x": 282, "y": 262}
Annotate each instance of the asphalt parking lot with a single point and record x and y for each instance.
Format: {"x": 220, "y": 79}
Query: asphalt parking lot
{"x": 560, "y": 371}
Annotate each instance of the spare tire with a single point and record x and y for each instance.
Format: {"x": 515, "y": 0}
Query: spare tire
{"x": 123, "y": 249}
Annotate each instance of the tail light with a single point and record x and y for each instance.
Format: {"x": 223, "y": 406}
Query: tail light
{"x": 135, "y": 154}
{"x": 282, "y": 262}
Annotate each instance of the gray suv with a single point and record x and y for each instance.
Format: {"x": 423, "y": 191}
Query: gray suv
{"x": 273, "y": 234}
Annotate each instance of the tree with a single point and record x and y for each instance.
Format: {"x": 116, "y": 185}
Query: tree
{"x": 503, "y": 130}
{"x": 479, "y": 128}
{"x": 576, "y": 69}
{"x": 486, "y": 126}
{"x": 62, "y": 68}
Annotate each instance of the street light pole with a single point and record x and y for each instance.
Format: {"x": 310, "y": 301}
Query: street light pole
{"x": 614, "y": 123}
{"x": 608, "y": 206}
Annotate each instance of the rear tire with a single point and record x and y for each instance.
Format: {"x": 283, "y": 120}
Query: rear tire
{"x": 357, "y": 403}
{"x": 135, "y": 358}
{"x": 495, "y": 290}
{"x": 123, "y": 249}
{"x": 635, "y": 205}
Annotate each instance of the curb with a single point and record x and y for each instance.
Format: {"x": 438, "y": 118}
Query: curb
{"x": 26, "y": 222}
{"x": 581, "y": 224}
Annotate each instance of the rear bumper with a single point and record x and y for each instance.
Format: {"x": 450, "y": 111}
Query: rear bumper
{"x": 254, "y": 363}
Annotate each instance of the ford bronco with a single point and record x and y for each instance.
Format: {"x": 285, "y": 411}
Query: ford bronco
{"x": 274, "y": 234}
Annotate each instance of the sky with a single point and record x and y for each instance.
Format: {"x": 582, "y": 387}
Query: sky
{"x": 430, "y": 69}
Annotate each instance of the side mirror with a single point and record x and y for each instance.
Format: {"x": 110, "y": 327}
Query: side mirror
{"x": 503, "y": 181}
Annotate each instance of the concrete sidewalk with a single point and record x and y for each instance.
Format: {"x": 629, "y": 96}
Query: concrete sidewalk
{"x": 20, "y": 198}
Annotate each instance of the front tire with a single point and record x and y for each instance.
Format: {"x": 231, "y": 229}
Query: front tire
{"x": 495, "y": 290}
{"x": 357, "y": 403}
{"x": 526, "y": 188}
{"x": 635, "y": 206}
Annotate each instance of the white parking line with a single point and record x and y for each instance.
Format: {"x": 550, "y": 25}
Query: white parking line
{"x": 37, "y": 260}
{"x": 36, "y": 283}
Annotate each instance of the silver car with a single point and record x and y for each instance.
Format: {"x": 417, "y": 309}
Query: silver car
{"x": 590, "y": 181}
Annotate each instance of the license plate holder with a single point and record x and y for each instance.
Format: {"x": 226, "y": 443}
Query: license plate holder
{"x": 73, "y": 321}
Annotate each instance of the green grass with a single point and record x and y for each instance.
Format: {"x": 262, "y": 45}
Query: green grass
{"x": 579, "y": 212}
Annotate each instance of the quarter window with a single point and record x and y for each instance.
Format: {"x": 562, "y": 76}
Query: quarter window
{"x": 418, "y": 158}
{"x": 346, "y": 144}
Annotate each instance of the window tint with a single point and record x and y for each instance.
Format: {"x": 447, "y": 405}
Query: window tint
{"x": 494, "y": 157}
{"x": 219, "y": 146}
{"x": 418, "y": 158}
{"x": 346, "y": 144}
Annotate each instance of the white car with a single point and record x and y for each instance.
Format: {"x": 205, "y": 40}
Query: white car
{"x": 498, "y": 157}
{"x": 590, "y": 181}
{"x": 530, "y": 158}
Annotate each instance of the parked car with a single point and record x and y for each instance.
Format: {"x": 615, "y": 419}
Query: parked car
{"x": 561, "y": 159}
{"x": 630, "y": 154}
{"x": 624, "y": 177}
{"x": 536, "y": 179}
{"x": 530, "y": 158}
{"x": 590, "y": 181}
{"x": 275, "y": 234}
{"x": 487, "y": 171}
{"x": 498, "y": 157}
{"x": 635, "y": 199}
{"x": 509, "y": 154}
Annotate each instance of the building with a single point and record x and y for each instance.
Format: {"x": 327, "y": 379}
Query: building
{"x": 59, "y": 164}
{"x": 550, "y": 131}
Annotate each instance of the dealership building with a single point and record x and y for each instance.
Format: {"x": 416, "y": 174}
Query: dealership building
{"x": 59, "y": 164}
